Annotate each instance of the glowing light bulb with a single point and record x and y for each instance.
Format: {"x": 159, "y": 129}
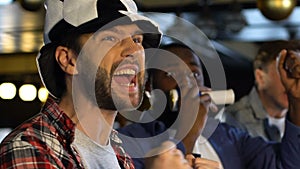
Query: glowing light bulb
{"x": 27, "y": 92}
{"x": 43, "y": 94}
{"x": 7, "y": 90}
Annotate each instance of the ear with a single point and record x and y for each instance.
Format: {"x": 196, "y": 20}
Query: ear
{"x": 260, "y": 76}
{"x": 66, "y": 59}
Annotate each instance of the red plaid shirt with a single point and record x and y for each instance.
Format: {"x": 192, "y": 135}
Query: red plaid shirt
{"x": 45, "y": 141}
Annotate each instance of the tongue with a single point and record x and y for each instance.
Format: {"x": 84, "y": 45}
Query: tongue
{"x": 124, "y": 79}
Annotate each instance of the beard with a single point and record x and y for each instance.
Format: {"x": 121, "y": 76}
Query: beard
{"x": 104, "y": 95}
{"x": 108, "y": 98}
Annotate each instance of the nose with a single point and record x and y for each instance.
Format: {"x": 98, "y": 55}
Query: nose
{"x": 130, "y": 48}
{"x": 186, "y": 80}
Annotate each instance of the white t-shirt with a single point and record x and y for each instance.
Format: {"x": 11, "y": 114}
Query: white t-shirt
{"x": 203, "y": 147}
{"x": 93, "y": 154}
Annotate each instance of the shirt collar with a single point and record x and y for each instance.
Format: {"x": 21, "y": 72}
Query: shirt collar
{"x": 62, "y": 123}
{"x": 256, "y": 104}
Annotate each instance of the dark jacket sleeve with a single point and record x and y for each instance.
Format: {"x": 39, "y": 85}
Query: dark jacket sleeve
{"x": 232, "y": 144}
{"x": 140, "y": 138}
{"x": 290, "y": 146}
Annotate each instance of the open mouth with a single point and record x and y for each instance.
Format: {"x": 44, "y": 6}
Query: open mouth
{"x": 126, "y": 76}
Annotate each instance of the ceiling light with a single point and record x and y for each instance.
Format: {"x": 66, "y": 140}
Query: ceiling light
{"x": 43, "y": 94}
{"x": 27, "y": 92}
{"x": 276, "y": 9}
{"x": 31, "y": 5}
{"x": 7, "y": 90}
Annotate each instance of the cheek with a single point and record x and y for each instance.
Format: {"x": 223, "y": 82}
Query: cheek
{"x": 106, "y": 63}
{"x": 275, "y": 85}
{"x": 141, "y": 61}
{"x": 166, "y": 84}
{"x": 275, "y": 80}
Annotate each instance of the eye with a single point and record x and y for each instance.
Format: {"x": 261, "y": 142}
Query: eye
{"x": 109, "y": 38}
{"x": 138, "y": 39}
{"x": 195, "y": 74}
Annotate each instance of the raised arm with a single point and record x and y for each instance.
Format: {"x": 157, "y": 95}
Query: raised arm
{"x": 291, "y": 84}
{"x": 290, "y": 148}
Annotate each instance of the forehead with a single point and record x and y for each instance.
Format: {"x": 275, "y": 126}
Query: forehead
{"x": 130, "y": 29}
{"x": 185, "y": 55}
{"x": 120, "y": 30}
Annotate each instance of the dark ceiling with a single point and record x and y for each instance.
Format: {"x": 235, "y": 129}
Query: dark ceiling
{"x": 238, "y": 20}
{"x": 226, "y": 20}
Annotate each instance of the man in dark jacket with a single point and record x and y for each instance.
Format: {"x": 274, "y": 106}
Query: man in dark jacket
{"x": 233, "y": 148}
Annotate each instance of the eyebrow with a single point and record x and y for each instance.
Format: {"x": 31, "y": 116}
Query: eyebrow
{"x": 121, "y": 32}
{"x": 171, "y": 65}
{"x": 193, "y": 63}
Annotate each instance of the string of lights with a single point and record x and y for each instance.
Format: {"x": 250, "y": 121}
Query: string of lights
{"x": 27, "y": 92}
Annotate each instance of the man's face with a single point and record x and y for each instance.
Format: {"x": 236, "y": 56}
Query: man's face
{"x": 163, "y": 79}
{"x": 272, "y": 88}
{"x": 119, "y": 80}
{"x": 187, "y": 71}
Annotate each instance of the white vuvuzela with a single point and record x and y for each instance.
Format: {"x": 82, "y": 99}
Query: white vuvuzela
{"x": 221, "y": 97}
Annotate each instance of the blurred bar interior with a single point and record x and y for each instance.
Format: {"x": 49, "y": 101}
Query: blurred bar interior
{"x": 235, "y": 27}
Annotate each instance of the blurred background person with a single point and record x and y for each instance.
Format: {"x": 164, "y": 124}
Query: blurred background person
{"x": 262, "y": 112}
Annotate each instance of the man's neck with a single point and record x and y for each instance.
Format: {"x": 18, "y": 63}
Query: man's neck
{"x": 276, "y": 113}
{"x": 89, "y": 118}
{"x": 272, "y": 109}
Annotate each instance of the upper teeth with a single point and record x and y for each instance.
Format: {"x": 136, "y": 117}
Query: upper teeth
{"x": 125, "y": 72}
{"x": 127, "y": 84}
